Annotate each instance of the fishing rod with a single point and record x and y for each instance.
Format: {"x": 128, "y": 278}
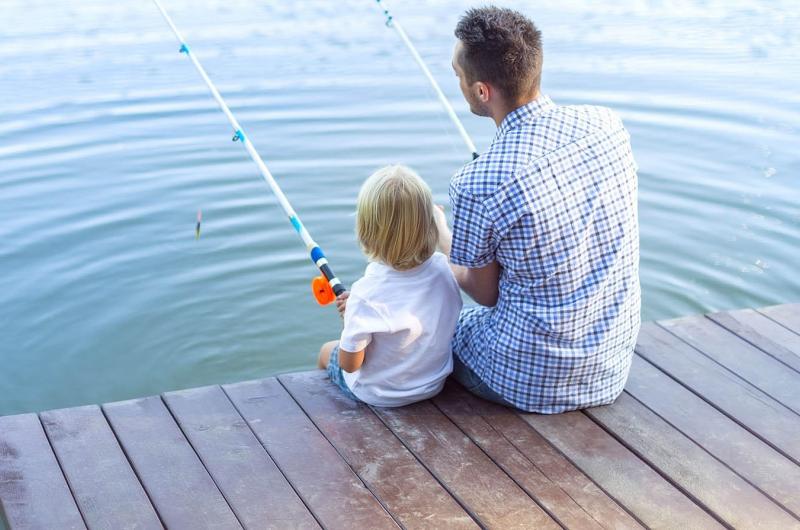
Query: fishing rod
{"x": 327, "y": 286}
{"x": 392, "y": 23}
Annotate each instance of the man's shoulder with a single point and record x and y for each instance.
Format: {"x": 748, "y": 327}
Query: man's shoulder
{"x": 568, "y": 123}
{"x": 482, "y": 176}
{"x": 518, "y": 149}
{"x": 588, "y": 112}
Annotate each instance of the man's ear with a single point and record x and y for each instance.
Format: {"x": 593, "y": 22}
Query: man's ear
{"x": 482, "y": 91}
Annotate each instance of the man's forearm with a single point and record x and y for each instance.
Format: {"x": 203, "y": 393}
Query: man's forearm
{"x": 480, "y": 284}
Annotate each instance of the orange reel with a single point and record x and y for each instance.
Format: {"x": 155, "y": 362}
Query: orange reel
{"x": 323, "y": 293}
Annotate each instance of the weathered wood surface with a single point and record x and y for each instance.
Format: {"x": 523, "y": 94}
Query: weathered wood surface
{"x": 763, "y": 416}
{"x": 568, "y": 495}
{"x": 742, "y": 358}
{"x": 697, "y": 473}
{"x": 330, "y": 489}
{"x": 649, "y": 496}
{"x": 33, "y": 491}
{"x": 471, "y": 476}
{"x": 89, "y": 455}
{"x": 178, "y": 484}
{"x": 408, "y": 490}
{"x": 706, "y": 435}
{"x": 722, "y": 437}
{"x": 254, "y": 487}
{"x": 764, "y": 333}
{"x": 787, "y": 315}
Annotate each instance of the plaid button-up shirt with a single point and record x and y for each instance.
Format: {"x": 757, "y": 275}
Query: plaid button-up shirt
{"x": 553, "y": 201}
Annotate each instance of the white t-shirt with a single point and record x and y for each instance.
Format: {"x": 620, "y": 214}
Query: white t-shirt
{"x": 405, "y": 321}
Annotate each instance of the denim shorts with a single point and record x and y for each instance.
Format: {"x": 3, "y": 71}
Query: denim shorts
{"x": 474, "y": 385}
{"x": 336, "y": 374}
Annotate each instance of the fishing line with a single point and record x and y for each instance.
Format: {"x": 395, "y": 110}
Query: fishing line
{"x": 393, "y": 23}
{"x": 325, "y": 287}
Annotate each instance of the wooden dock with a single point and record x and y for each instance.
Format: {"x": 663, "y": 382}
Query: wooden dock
{"x": 706, "y": 435}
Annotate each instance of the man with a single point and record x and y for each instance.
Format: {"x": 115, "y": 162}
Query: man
{"x": 545, "y": 232}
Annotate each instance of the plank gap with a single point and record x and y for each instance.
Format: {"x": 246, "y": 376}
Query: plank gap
{"x": 765, "y": 391}
{"x": 711, "y": 419}
{"x": 277, "y": 465}
{"x": 711, "y": 403}
{"x": 364, "y": 482}
{"x": 658, "y": 471}
{"x": 200, "y": 459}
{"x": 455, "y": 497}
{"x": 133, "y": 468}
{"x": 61, "y": 469}
{"x": 779, "y": 322}
{"x": 501, "y": 466}
{"x": 712, "y": 455}
{"x": 755, "y": 344}
{"x": 598, "y": 486}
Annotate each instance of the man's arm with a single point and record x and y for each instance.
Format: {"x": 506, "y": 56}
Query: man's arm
{"x": 481, "y": 284}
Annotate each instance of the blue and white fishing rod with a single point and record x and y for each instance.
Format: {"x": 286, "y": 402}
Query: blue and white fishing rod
{"x": 327, "y": 286}
{"x": 393, "y": 23}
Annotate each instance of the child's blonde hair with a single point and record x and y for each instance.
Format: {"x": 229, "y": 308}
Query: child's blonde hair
{"x": 394, "y": 218}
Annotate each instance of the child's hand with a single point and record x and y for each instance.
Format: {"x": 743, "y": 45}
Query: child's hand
{"x": 341, "y": 302}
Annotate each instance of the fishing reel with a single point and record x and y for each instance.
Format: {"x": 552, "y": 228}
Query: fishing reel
{"x": 323, "y": 292}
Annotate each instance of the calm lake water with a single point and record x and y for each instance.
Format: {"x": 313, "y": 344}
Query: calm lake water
{"x": 109, "y": 144}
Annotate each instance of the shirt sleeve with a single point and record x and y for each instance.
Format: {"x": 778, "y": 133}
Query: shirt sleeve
{"x": 361, "y": 321}
{"x": 474, "y": 244}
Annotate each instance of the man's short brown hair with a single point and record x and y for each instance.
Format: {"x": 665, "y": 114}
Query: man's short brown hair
{"x": 501, "y": 47}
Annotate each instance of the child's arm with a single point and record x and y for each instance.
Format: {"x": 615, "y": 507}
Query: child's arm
{"x": 350, "y": 361}
{"x": 361, "y": 321}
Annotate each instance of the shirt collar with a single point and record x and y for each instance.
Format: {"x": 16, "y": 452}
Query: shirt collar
{"x": 526, "y": 113}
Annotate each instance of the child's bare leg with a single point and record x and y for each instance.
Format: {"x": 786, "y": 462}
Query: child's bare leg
{"x": 325, "y": 353}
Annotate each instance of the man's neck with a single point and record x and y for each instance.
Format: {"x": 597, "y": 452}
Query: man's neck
{"x": 504, "y": 109}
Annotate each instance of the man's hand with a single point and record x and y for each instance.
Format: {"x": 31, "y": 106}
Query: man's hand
{"x": 341, "y": 303}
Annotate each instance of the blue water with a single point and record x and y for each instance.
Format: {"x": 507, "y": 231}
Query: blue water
{"x": 109, "y": 144}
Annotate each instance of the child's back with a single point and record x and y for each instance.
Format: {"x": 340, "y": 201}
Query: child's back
{"x": 400, "y": 317}
{"x": 404, "y": 321}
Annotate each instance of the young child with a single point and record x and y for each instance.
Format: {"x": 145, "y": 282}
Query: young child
{"x": 400, "y": 316}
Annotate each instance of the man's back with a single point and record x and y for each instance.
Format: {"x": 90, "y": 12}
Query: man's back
{"x": 553, "y": 201}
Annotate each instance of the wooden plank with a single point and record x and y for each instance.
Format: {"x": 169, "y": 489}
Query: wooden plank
{"x": 690, "y": 467}
{"x": 392, "y": 473}
{"x": 762, "y": 415}
{"x": 90, "y": 456}
{"x": 324, "y": 481}
{"x": 33, "y": 491}
{"x": 743, "y": 452}
{"x": 748, "y": 362}
{"x": 634, "y": 484}
{"x": 178, "y": 485}
{"x": 787, "y": 315}
{"x": 562, "y": 489}
{"x": 254, "y": 487}
{"x": 479, "y": 484}
{"x": 763, "y": 333}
